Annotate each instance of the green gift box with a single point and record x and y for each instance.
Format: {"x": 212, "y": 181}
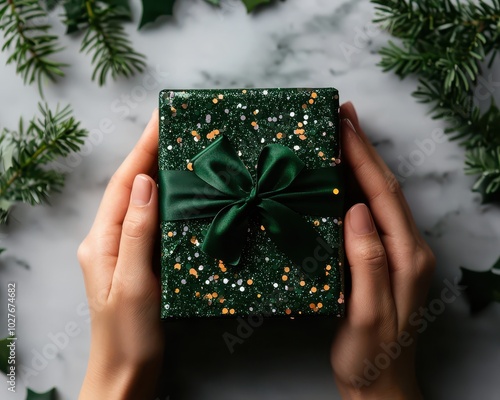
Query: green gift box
{"x": 251, "y": 203}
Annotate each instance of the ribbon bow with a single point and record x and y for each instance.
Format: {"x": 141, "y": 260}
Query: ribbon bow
{"x": 221, "y": 187}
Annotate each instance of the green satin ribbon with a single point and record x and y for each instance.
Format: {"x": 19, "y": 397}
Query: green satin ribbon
{"x": 221, "y": 187}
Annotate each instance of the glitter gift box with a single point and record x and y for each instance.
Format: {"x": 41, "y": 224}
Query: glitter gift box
{"x": 231, "y": 247}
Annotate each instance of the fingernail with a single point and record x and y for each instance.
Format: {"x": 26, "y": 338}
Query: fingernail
{"x": 360, "y": 220}
{"x": 141, "y": 191}
{"x": 350, "y": 124}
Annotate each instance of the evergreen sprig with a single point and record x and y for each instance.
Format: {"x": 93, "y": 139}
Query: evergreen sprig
{"x": 26, "y": 32}
{"x": 26, "y": 154}
{"x": 105, "y": 37}
{"x": 449, "y": 45}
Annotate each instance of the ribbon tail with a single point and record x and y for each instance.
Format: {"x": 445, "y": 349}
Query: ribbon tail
{"x": 296, "y": 237}
{"x": 226, "y": 235}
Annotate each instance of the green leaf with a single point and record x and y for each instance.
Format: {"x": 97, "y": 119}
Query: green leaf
{"x": 482, "y": 288}
{"x": 4, "y": 351}
{"x": 50, "y": 395}
{"x": 153, "y": 9}
{"x": 251, "y": 4}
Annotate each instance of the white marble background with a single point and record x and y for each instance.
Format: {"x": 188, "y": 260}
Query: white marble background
{"x": 296, "y": 43}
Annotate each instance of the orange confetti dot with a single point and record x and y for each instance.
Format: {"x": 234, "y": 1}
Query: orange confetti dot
{"x": 194, "y": 240}
{"x": 302, "y": 137}
{"x": 225, "y": 310}
{"x": 314, "y": 95}
{"x": 262, "y": 228}
{"x": 215, "y": 101}
{"x": 316, "y": 223}
{"x": 197, "y": 294}
{"x": 321, "y": 154}
{"x": 311, "y": 101}
{"x": 184, "y": 106}
{"x": 250, "y": 282}
{"x": 313, "y": 289}
{"x": 179, "y": 140}
{"x": 259, "y": 295}
{"x": 328, "y": 267}
{"x": 231, "y": 311}
{"x": 302, "y": 283}
{"x": 220, "y": 96}
{"x": 244, "y": 91}
{"x": 177, "y": 290}
{"x": 190, "y": 166}
{"x": 194, "y": 133}
{"x": 254, "y": 123}
{"x": 300, "y": 124}
{"x": 279, "y": 135}
{"x": 326, "y": 287}
{"x": 288, "y": 311}
{"x": 284, "y": 278}
{"x": 170, "y": 234}
{"x": 320, "y": 305}
{"x": 304, "y": 106}
{"x": 193, "y": 272}
{"x": 287, "y": 269}
{"x": 336, "y": 191}
{"x": 214, "y": 295}
{"x": 312, "y": 306}
{"x": 177, "y": 266}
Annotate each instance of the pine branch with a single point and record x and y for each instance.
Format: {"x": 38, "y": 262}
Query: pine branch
{"x": 105, "y": 37}
{"x": 25, "y": 154}
{"x": 33, "y": 46}
{"x": 446, "y": 44}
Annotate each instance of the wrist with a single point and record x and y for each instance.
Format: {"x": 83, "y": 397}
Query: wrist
{"x": 120, "y": 380}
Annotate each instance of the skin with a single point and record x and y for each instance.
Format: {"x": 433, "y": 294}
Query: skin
{"x": 391, "y": 267}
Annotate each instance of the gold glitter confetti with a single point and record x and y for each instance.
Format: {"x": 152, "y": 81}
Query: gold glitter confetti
{"x": 300, "y": 124}
{"x": 173, "y": 109}
{"x": 254, "y": 123}
{"x": 170, "y": 234}
{"x": 215, "y": 101}
{"x": 177, "y": 290}
{"x": 313, "y": 289}
{"x": 316, "y": 222}
{"x": 249, "y": 282}
{"x": 194, "y": 133}
{"x": 314, "y": 95}
{"x": 222, "y": 266}
{"x": 208, "y": 296}
{"x": 214, "y": 295}
{"x": 225, "y": 310}
{"x": 320, "y": 305}
{"x": 284, "y": 278}
{"x": 231, "y": 311}
{"x": 336, "y": 191}
{"x": 190, "y": 166}
{"x": 193, "y": 272}
{"x": 287, "y": 269}
{"x": 197, "y": 294}
{"x": 326, "y": 287}
{"x": 279, "y": 135}
{"x": 262, "y": 228}
{"x": 311, "y": 101}
{"x": 299, "y": 131}
{"x": 222, "y": 299}
{"x": 177, "y": 266}
{"x": 302, "y": 283}
{"x": 244, "y": 91}
{"x": 259, "y": 295}
{"x": 328, "y": 267}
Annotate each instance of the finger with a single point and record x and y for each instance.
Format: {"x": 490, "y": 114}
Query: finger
{"x": 348, "y": 111}
{"x": 114, "y": 205}
{"x": 383, "y": 192}
{"x": 371, "y": 296}
{"x": 135, "y": 255}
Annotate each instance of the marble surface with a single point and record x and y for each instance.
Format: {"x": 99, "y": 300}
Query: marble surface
{"x": 296, "y": 43}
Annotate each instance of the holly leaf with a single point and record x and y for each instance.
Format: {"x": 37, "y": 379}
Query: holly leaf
{"x": 153, "y": 9}
{"x": 214, "y": 2}
{"x": 4, "y": 353}
{"x": 50, "y": 395}
{"x": 251, "y": 4}
{"x": 482, "y": 288}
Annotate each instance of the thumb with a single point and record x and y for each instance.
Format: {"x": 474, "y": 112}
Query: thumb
{"x": 371, "y": 290}
{"x": 135, "y": 255}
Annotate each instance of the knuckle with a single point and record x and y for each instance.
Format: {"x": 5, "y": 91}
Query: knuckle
{"x": 135, "y": 227}
{"x": 425, "y": 260}
{"x": 374, "y": 255}
{"x": 393, "y": 185}
{"x": 84, "y": 253}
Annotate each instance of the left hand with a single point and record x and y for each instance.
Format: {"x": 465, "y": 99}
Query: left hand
{"x": 122, "y": 289}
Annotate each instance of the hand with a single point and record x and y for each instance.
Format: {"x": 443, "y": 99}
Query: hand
{"x": 373, "y": 354}
{"x": 122, "y": 289}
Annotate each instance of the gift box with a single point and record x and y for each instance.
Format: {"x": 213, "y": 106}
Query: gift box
{"x": 251, "y": 203}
